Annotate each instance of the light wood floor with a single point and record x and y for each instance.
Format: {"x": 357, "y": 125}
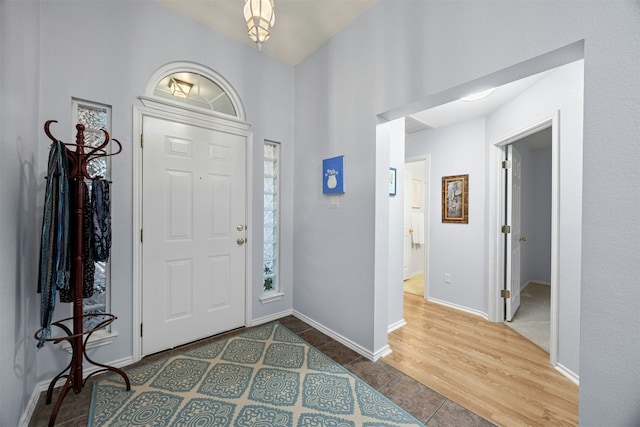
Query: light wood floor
{"x": 484, "y": 366}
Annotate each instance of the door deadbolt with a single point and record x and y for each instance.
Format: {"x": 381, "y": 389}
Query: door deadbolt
{"x": 240, "y": 227}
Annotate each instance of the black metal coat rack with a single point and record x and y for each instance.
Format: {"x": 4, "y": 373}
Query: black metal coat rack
{"x": 77, "y": 337}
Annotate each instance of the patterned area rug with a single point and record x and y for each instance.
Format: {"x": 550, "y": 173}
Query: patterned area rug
{"x": 266, "y": 376}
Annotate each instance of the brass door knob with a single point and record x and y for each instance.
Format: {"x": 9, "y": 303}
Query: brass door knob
{"x": 523, "y": 238}
{"x": 240, "y": 241}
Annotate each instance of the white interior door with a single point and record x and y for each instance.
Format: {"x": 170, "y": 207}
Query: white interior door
{"x": 193, "y": 252}
{"x": 515, "y": 237}
{"x": 407, "y": 269}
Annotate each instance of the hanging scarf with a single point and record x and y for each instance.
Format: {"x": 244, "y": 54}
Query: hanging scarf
{"x": 54, "y": 244}
{"x": 101, "y": 219}
{"x": 88, "y": 266}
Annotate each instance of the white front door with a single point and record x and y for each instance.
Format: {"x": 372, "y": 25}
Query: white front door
{"x": 515, "y": 237}
{"x": 193, "y": 219}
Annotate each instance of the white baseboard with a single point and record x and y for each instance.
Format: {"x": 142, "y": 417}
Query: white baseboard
{"x": 31, "y": 407}
{"x": 44, "y": 386}
{"x": 459, "y": 307}
{"x": 345, "y": 341}
{"x": 270, "y": 318}
{"x": 399, "y": 324}
{"x": 568, "y": 373}
{"x": 383, "y": 352}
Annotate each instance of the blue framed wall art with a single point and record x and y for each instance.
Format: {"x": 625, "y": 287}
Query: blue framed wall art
{"x": 333, "y": 175}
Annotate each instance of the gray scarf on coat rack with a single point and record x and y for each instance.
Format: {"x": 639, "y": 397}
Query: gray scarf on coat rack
{"x": 101, "y": 219}
{"x": 54, "y": 243}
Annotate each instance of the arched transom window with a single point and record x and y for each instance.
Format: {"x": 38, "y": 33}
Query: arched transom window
{"x": 193, "y": 85}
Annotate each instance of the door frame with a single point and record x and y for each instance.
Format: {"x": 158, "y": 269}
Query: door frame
{"x": 426, "y": 158}
{"x": 496, "y": 206}
{"x": 161, "y": 109}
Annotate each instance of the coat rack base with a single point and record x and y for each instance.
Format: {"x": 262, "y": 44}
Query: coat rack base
{"x": 73, "y": 372}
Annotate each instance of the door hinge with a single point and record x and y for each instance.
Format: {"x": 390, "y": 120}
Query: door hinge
{"x": 141, "y": 140}
{"x": 506, "y": 164}
{"x": 506, "y": 229}
{"x": 140, "y": 329}
{"x": 505, "y": 293}
{"x": 141, "y": 235}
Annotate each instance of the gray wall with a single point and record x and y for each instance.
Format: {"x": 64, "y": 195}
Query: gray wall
{"x": 53, "y": 51}
{"x": 20, "y": 182}
{"x": 90, "y": 59}
{"x": 541, "y": 217}
{"x": 424, "y": 49}
{"x": 397, "y": 53}
{"x": 456, "y": 249}
{"x": 536, "y": 214}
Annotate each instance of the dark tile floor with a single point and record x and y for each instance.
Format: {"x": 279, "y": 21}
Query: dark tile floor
{"x": 423, "y": 403}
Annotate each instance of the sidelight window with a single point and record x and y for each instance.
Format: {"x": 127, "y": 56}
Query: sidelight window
{"x": 271, "y": 216}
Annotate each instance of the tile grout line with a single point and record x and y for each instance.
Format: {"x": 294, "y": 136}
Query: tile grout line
{"x": 436, "y": 411}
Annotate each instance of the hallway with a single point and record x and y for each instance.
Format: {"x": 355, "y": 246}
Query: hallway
{"x": 486, "y": 367}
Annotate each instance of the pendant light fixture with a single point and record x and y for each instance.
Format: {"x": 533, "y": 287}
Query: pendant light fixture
{"x": 260, "y": 17}
{"x": 179, "y": 88}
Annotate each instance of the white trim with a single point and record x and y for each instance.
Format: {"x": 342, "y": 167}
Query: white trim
{"x": 271, "y": 318}
{"x": 43, "y": 386}
{"x": 205, "y": 119}
{"x": 192, "y": 67}
{"x": 194, "y": 113}
{"x": 568, "y": 373}
{"x": 25, "y": 418}
{"x": 397, "y": 325}
{"x": 345, "y": 341}
{"x": 271, "y": 297}
{"x": 97, "y": 339}
{"x": 382, "y": 353}
{"x": 248, "y": 296}
{"x": 496, "y": 245}
{"x": 459, "y": 307}
{"x": 119, "y": 363}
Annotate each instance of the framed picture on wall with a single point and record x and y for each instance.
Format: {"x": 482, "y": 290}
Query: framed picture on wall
{"x": 455, "y": 199}
{"x": 393, "y": 173}
{"x": 333, "y": 175}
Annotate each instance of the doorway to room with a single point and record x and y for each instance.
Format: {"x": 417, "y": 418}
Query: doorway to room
{"x": 415, "y": 225}
{"x": 528, "y": 310}
{"x": 529, "y": 211}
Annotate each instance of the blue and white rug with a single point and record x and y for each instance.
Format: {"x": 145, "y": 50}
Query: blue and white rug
{"x": 266, "y": 376}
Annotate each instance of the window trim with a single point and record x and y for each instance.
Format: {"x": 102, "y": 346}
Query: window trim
{"x": 276, "y": 293}
{"x": 192, "y": 67}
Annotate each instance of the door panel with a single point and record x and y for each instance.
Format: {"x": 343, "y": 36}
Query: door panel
{"x": 513, "y": 218}
{"x": 193, "y": 199}
{"x": 407, "y": 268}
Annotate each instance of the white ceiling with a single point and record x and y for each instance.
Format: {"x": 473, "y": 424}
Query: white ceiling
{"x": 459, "y": 111}
{"x": 301, "y": 26}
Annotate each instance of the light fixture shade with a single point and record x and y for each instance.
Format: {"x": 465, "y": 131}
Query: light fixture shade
{"x": 260, "y": 17}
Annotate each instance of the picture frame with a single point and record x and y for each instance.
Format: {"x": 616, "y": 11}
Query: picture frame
{"x": 333, "y": 175}
{"x": 393, "y": 173}
{"x": 455, "y": 199}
